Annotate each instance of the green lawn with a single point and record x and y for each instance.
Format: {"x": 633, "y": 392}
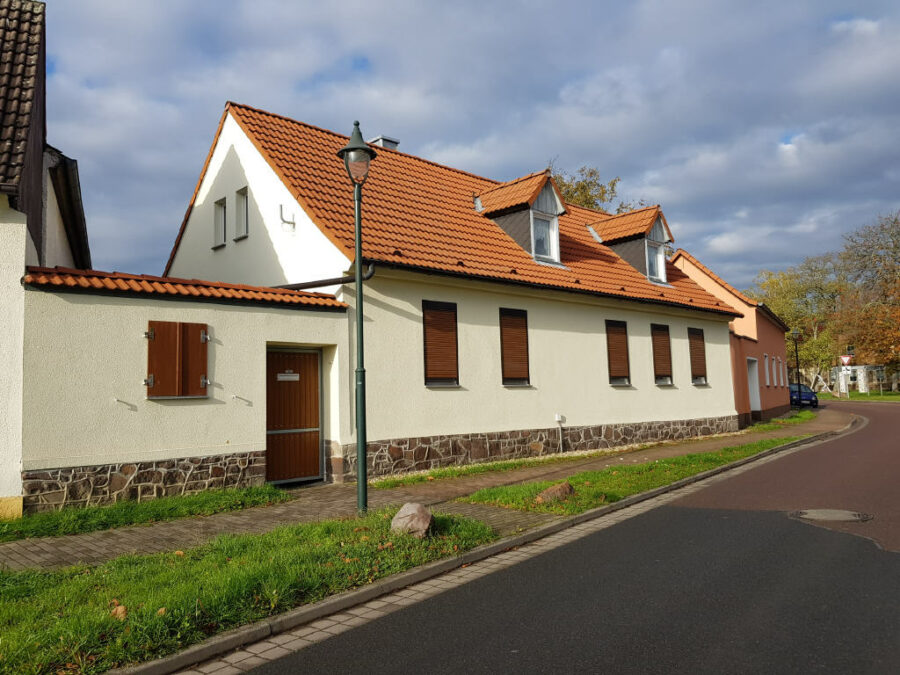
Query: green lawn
{"x": 61, "y": 621}
{"x": 797, "y": 417}
{"x": 857, "y": 396}
{"x": 93, "y": 518}
{"x": 596, "y": 488}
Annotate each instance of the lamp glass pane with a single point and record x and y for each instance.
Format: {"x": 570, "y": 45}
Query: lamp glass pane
{"x": 358, "y": 165}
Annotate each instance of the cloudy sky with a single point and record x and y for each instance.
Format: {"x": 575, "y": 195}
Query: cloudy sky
{"x": 765, "y": 129}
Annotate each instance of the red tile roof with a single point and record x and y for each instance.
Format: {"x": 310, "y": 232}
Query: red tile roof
{"x": 420, "y": 215}
{"x": 62, "y": 278}
{"x": 635, "y": 223}
{"x": 520, "y": 192}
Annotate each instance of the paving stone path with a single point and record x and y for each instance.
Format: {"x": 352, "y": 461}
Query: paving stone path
{"x": 335, "y": 501}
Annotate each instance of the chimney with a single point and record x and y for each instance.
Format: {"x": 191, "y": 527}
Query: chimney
{"x": 385, "y": 142}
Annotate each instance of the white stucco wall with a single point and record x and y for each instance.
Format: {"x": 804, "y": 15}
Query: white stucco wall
{"x": 567, "y": 355}
{"x": 86, "y": 358}
{"x": 57, "y": 250}
{"x": 12, "y": 303}
{"x": 274, "y": 253}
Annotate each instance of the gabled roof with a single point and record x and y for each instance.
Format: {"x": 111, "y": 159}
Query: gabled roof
{"x": 420, "y": 215}
{"x": 21, "y": 32}
{"x": 514, "y": 194}
{"x": 637, "y": 223}
{"x": 65, "y": 279}
{"x": 67, "y": 186}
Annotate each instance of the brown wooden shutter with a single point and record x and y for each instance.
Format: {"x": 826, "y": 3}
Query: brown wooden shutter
{"x": 193, "y": 359}
{"x": 662, "y": 350}
{"x": 163, "y": 356}
{"x": 698, "y": 352}
{"x": 514, "y": 346}
{"x": 617, "y": 348}
{"x": 439, "y": 320}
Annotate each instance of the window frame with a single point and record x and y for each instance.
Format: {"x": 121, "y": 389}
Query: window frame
{"x": 242, "y": 213}
{"x": 662, "y": 380}
{"x": 617, "y": 380}
{"x": 659, "y": 255}
{"x": 768, "y": 373}
{"x": 220, "y": 208}
{"x": 700, "y": 380}
{"x": 439, "y": 306}
{"x": 553, "y": 236}
{"x": 514, "y": 381}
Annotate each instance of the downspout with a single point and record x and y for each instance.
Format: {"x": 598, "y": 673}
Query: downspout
{"x": 369, "y": 273}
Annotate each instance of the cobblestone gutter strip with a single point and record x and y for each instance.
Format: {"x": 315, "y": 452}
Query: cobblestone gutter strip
{"x": 238, "y": 637}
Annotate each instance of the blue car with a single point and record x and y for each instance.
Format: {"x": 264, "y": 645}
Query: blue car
{"x": 806, "y": 396}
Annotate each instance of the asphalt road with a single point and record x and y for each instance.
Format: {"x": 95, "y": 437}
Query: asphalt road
{"x": 720, "y": 582}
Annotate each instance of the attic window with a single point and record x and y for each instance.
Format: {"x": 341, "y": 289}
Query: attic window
{"x": 545, "y": 235}
{"x": 656, "y": 253}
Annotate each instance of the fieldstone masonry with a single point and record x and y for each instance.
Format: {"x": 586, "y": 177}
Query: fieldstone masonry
{"x": 400, "y": 455}
{"x": 52, "y": 489}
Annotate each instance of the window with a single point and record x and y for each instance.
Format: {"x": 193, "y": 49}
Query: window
{"x": 241, "y": 214}
{"x": 774, "y": 373}
{"x": 219, "y": 224}
{"x": 545, "y": 235}
{"x": 514, "y": 346}
{"x": 779, "y": 376}
{"x": 656, "y": 262}
{"x": 662, "y": 354}
{"x": 698, "y": 355}
{"x": 617, "y": 352}
{"x": 176, "y": 359}
{"x": 766, "y": 362}
{"x": 439, "y": 327}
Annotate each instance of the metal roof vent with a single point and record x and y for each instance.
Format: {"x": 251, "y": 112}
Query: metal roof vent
{"x": 385, "y": 142}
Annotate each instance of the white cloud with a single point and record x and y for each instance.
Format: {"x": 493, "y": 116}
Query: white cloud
{"x": 858, "y": 27}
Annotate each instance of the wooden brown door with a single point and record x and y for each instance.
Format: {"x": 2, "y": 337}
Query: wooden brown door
{"x": 293, "y": 433}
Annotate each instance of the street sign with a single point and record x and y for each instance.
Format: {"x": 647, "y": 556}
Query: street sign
{"x": 845, "y": 359}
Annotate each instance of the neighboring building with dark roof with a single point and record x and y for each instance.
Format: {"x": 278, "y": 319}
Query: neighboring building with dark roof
{"x": 758, "y": 355}
{"x": 500, "y": 320}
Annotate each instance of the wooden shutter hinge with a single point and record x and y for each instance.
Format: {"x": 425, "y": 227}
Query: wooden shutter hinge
{"x": 150, "y": 334}
{"x": 204, "y": 381}
{"x": 149, "y": 381}
{"x": 204, "y": 336}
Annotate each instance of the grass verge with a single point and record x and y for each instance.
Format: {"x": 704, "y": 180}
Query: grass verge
{"x": 797, "y": 417}
{"x": 64, "y": 621}
{"x": 596, "y": 488}
{"x": 893, "y": 396}
{"x": 93, "y": 518}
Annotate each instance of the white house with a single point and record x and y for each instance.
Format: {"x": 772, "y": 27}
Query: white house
{"x": 499, "y": 320}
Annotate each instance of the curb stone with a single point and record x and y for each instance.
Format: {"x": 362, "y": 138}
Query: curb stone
{"x": 243, "y": 635}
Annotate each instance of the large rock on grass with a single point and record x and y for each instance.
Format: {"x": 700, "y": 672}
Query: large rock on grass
{"x": 413, "y": 519}
{"x": 555, "y": 493}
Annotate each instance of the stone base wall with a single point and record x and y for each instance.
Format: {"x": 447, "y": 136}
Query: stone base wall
{"x": 399, "y": 455}
{"x": 51, "y": 489}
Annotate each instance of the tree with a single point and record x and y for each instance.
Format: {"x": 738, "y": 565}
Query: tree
{"x": 586, "y": 188}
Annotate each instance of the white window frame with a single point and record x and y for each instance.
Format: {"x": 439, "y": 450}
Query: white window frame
{"x": 768, "y": 372}
{"x": 774, "y": 374}
{"x": 220, "y": 218}
{"x": 241, "y": 214}
{"x": 554, "y": 236}
{"x": 657, "y": 250}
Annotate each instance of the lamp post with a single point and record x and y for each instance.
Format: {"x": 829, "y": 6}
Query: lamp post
{"x": 357, "y": 155}
{"x": 796, "y": 335}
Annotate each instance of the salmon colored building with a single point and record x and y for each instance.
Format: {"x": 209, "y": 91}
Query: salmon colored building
{"x": 758, "y": 358}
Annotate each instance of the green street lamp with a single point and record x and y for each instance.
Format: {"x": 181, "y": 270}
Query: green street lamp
{"x": 796, "y": 335}
{"x": 357, "y": 156}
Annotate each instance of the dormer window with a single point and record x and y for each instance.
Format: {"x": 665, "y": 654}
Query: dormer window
{"x": 655, "y": 244}
{"x": 545, "y": 235}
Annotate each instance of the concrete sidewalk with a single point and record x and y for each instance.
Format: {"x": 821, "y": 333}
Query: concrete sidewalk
{"x": 334, "y": 501}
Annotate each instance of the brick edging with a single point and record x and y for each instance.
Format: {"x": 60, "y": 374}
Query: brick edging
{"x": 238, "y": 637}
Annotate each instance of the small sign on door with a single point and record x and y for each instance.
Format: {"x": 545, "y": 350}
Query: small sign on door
{"x": 288, "y": 376}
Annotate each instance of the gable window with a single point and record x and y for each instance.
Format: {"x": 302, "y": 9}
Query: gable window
{"x": 440, "y": 343}
{"x": 662, "y": 353}
{"x": 697, "y": 348}
{"x": 545, "y": 235}
{"x": 617, "y": 353}
{"x": 514, "y": 346}
{"x": 176, "y": 360}
{"x": 241, "y": 214}
{"x": 219, "y": 224}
